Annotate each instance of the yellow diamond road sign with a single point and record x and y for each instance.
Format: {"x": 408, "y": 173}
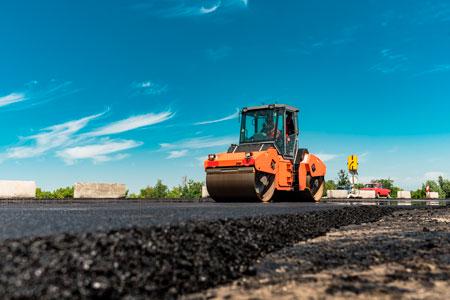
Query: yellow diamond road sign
{"x": 352, "y": 163}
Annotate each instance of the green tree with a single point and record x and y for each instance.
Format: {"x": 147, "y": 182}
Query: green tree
{"x": 445, "y": 186}
{"x": 359, "y": 185}
{"x": 160, "y": 190}
{"x": 386, "y": 183}
{"x": 343, "y": 180}
{"x": 146, "y": 192}
{"x": 189, "y": 189}
{"x": 434, "y": 187}
{"x": 418, "y": 194}
{"x": 40, "y": 194}
{"x": 64, "y": 193}
{"x": 192, "y": 189}
{"x": 175, "y": 193}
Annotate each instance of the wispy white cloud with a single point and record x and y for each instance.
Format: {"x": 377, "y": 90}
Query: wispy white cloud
{"x": 199, "y": 143}
{"x": 181, "y": 148}
{"x": 12, "y": 98}
{"x": 390, "y": 62}
{"x": 431, "y": 12}
{"x": 50, "y": 138}
{"x": 433, "y": 175}
{"x": 424, "y": 12}
{"x": 363, "y": 156}
{"x": 208, "y": 10}
{"x": 393, "y": 149}
{"x": 388, "y": 53}
{"x": 436, "y": 69}
{"x": 177, "y": 154}
{"x": 132, "y": 123}
{"x": 189, "y": 8}
{"x": 327, "y": 156}
{"x": 100, "y": 152}
{"x": 337, "y": 39}
{"x": 35, "y": 93}
{"x": 149, "y": 88}
{"x": 230, "y": 117}
{"x": 68, "y": 142}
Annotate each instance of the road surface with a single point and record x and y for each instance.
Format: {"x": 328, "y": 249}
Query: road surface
{"x": 155, "y": 262}
{"x": 42, "y": 218}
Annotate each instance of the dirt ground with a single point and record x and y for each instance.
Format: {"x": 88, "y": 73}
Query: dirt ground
{"x": 405, "y": 255}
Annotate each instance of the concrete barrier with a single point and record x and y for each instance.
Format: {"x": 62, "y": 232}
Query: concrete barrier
{"x": 403, "y": 195}
{"x": 205, "y": 193}
{"x": 99, "y": 191}
{"x": 11, "y": 189}
{"x": 432, "y": 195}
{"x": 366, "y": 194}
{"x": 337, "y": 194}
{"x": 362, "y": 194}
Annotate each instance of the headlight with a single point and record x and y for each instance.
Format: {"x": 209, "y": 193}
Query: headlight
{"x": 211, "y": 156}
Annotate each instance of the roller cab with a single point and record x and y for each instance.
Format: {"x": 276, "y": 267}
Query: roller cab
{"x": 267, "y": 163}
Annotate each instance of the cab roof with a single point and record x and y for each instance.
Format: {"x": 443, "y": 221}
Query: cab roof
{"x": 271, "y": 106}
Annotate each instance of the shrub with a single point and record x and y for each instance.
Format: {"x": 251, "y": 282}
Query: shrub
{"x": 189, "y": 189}
{"x": 192, "y": 190}
{"x": 61, "y": 193}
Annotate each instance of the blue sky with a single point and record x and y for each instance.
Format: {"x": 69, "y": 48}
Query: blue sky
{"x": 131, "y": 91}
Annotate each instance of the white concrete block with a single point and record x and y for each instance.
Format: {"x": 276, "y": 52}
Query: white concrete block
{"x": 99, "y": 190}
{"x": 362, "y": 194}
{"x": 403, "y": 195}
{"x": 432, "y": 195}
{"x": 205, "y": 193}
{"x": 11, "y": 189}
{"x": 366, "y": 194}
{"x": 337, "y": 194}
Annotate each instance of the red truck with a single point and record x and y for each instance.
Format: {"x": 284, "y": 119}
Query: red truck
{"x": 378, "y": 188}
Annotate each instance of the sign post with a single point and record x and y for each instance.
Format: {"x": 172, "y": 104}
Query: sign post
{"x": 352, "y": 164}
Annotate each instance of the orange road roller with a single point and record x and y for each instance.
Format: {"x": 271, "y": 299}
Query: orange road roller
{"x": 267, "y": 164}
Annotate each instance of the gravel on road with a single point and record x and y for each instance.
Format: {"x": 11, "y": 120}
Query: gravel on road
{"x": 405, "y": 255}
{"x": 160, "y": 261}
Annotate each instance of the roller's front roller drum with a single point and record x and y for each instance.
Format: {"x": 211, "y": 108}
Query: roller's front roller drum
{"x": 239, "y": 184}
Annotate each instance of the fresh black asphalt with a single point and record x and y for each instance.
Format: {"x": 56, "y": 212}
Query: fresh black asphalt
{"x": 42, "y": 218}
{"x": 146, "y": 249}
{"x": 161, "y": 262}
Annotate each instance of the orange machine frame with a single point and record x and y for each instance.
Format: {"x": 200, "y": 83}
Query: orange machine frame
{"x": 269, "y": 161}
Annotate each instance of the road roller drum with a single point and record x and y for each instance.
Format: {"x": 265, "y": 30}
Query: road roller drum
{"x": 240, "y": 184}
